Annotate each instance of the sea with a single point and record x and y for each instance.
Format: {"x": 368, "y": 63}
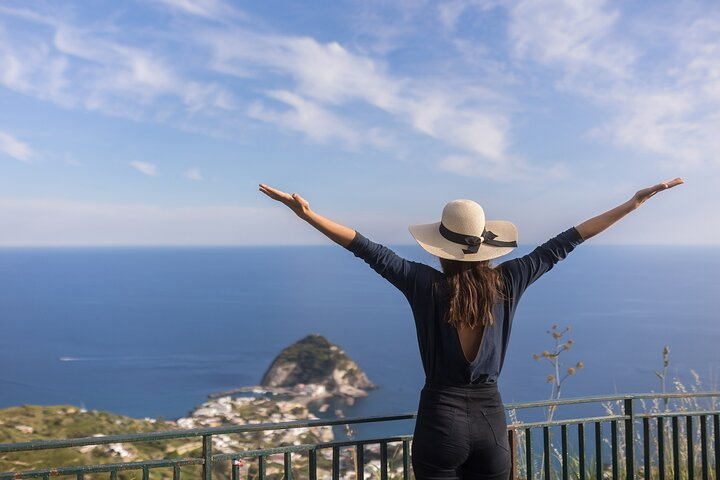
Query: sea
{"x": 152, "y": 331}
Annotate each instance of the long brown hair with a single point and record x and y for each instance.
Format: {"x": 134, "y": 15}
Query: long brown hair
{"x": 472, "y": 289}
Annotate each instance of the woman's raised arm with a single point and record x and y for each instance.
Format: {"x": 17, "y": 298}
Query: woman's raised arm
{"x": 336, "y": 232}
{"x": 595, "y": 225}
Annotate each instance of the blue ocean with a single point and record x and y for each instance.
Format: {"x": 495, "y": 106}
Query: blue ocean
{"x": 150, "y": 332}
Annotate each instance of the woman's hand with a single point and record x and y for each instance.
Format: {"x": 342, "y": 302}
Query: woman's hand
{"x": 648, "y": 192}
{"x": 295, "y": 202}
{"x": 336, "y": 232}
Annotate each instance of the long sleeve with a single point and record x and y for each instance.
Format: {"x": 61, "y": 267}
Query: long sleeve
{"x": 406, "y": 275}
{"x": 525, "y": 270}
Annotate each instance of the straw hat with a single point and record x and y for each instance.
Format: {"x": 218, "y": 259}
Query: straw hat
{"x": 464, "y": 234}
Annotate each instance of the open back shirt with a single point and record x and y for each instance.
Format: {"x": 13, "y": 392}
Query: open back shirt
{"x": 440, "y": 350}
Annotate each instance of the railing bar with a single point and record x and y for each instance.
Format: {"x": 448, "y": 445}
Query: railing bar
{"x": 676, "y": 448}
{"x": 614, "y": 449}
{"x": 571, "y": 421}
{"x": 151, "y": 436}
{"x": 608, "y": 398}
{"x": 262, "y": 467}
{"x": 690, "y": 449}
{"x": 598, "y": 451}
{"x": 312, "y": 464}
{"x": 675, "y": 414}
{"x": 581, "y": 449}
{"x": 305, "y": 447}
{"x": 704, "y": 447}
{"x": 113, "y": 474}
{"x": 564, "y": 452}
{"x": 287, "y": 465}
{"x": 146, "y": 472}
{"x": 647, "y": 465}
{"x": 716, "y": 432}
{"x": 207, "y": 457}
{"x": 661, "y": 447}
{"x": 235, "y": 469}
{"x": 528, "y": 453}
{"x": 99, "y": 468}
{"x": 336, "y": 463}
{"x": 176, "y": 473}
{"x": 546, "y": 452}
{"x": 512, "y": 442}
{"x": 383, "y": 460}
{"x": 629, "y": 438}
{"x": 360, "y": 459}
{"x": 406, "y": 459}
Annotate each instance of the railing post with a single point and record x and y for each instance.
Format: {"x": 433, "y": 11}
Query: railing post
{"x": 406, "y": 459}
{"x": 546, "y": 453}
{"x": 690, "y": 448}
{"x": 528, "y": 454}
{"x": 629, "y": 439}
{"x": 287, "y": 465}
{"x": 512, "y": 440}
{"x": 661, "y": 447}
{"x": 383, "y": 460}
{"x": 598, "y": 451}
{"x": 581, "y": 450}
{"x": 207, "y": 457}
{"x": 360, "y": 461}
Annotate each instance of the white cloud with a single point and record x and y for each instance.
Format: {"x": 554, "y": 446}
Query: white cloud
{"x": 570, "y": 34}
{"x": 144, "y": 167}
{"x": 193, "y": 174}
{"x": 212, "y": 9}
{"x": 328, "y": 77}
{"x": 306, "y": 117}
{"x": 320, "y": 83}
{"x": 518, "y": 170}
{"x": 81, "y": 67}
{"x": 661, "y": 89}
{"x": 451, "y": 11}
{"x": 14, "y": 148}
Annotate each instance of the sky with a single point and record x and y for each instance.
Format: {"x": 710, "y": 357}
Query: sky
{"x": 152, "y": 122}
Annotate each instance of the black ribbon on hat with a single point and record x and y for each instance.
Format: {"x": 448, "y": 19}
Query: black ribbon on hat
{"x": 472, "y": 241}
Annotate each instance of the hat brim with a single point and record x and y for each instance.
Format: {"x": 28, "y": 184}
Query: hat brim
{"x": 429, "y": 238}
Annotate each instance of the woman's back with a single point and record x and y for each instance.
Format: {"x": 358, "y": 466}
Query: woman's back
{"x": 443, "y": 356}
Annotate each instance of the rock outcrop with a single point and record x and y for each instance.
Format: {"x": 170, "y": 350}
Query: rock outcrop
{"x": 317, "y": 366}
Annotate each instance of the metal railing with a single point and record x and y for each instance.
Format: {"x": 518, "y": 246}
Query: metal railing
{"x": 649, "y": 445}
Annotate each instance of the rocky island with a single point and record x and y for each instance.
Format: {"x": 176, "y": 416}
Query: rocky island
{"x": 309, "y": 370}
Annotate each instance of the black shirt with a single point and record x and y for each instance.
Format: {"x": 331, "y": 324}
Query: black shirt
{"x": 440, "y": 350}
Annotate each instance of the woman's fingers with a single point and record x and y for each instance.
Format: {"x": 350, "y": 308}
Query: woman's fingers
{"x": 294, "y": 201}
{"x": 665, "y": 185}
{"x": 674, "y": 182}
{"x": 648, "y": 192}
{"x": 274, "y": 192}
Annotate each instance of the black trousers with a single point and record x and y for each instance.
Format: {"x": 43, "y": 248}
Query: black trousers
{"x": 460, "y": 432}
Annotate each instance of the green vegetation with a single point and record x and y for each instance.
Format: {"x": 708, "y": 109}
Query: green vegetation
{"x": 34, "y": 422}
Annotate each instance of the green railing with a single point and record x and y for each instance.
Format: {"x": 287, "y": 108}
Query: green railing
{"x": 680, "y": 444}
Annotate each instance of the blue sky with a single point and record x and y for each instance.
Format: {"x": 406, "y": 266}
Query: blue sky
{"x": 152, "y": 122}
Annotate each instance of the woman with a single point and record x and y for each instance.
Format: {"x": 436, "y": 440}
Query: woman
{"x": 460, "y": 430}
